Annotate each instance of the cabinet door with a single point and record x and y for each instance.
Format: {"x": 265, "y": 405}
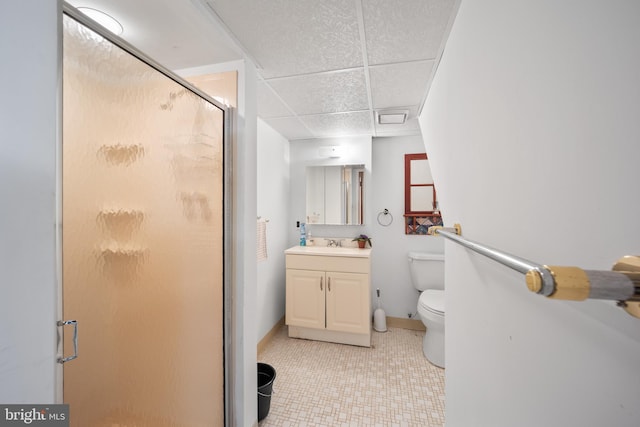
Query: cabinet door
{"x": 305, "y": 298}
{"x": 348, "y": 306}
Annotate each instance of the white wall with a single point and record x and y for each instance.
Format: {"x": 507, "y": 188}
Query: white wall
{"x": 273, "y": 205}
{"x": 390, "y": 265}
{"x": 532, "y": 129}
{"x": 28, "y": 176}
{"x": 244, "y": 252}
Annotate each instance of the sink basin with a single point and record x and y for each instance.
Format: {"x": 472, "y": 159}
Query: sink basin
{"x": 329, "y": 251}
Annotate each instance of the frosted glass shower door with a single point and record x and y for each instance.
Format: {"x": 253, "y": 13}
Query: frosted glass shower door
{"x": 142, "y": 242}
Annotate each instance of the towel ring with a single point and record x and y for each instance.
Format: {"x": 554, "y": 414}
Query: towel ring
{"x": 386, "y": 219}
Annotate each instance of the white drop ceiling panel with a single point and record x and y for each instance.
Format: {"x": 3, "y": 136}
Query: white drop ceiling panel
{"x": 405, "y": 30}
{"x": 399, "y": 84}
{"x": 290, "y": 127}
{"x": 332, "y": 92}
{"x": 269, "y": 104}
{"x": 288, "y": 37}
{"x": 340, "y": 124}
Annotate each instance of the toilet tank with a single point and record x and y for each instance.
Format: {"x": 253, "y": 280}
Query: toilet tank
{"x": 427, "y": 270}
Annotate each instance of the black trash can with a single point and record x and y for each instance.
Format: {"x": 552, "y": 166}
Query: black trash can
{"x": 266, "y": 376}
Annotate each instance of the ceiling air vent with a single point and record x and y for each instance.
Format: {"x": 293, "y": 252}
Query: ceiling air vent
{"x": 392, "y": 117}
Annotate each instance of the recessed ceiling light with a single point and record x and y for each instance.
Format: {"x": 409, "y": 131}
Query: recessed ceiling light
{"x": 107, "y": 21}
{"x": 392, "y": 118}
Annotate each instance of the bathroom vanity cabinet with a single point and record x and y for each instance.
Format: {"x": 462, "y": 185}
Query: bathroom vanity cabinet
{"x": 328, "y": 294}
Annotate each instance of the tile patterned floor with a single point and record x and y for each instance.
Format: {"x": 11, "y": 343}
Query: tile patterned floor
{"x": 325, "y": 384}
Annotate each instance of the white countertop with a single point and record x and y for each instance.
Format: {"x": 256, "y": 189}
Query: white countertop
{"x": 329, "y": 251}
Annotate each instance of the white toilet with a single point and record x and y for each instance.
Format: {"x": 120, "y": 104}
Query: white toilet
{"x": 427, "y": 275}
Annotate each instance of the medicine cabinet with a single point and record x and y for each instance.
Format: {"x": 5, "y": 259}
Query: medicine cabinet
{"x": 335, "y": 194}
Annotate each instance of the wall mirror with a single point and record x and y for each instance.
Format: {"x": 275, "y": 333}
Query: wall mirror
{"x": 335, "y": 194}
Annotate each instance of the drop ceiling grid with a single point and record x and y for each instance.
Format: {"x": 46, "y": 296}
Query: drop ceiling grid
{"x": 354, "y": 57}
{"x": 291, "y": 127}
{"x": 422, "y": 24}
{"x": 295, "y": 37}
{"x": 269, "y": 104}
{"x": 324, "y": 92}
{"x": 334, "y": 125}
{"x": 398, "y": 85}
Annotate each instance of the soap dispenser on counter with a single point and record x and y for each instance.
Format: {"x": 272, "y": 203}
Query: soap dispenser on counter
{"x": 303, "y": 234}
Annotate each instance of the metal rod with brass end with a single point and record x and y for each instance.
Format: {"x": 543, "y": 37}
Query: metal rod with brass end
{"x": 434, "y": 229}
{"x": 572, "y": 283}
{"x": 542, "y": 281}
{"x": 576, "y": 284}
{"x": 568, "y": 283}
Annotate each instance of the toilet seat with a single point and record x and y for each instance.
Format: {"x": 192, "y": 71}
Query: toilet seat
{"x": 432, "y": 300}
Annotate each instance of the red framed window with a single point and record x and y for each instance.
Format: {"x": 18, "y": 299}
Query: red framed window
{"x": 420, "y": 198}
{"x": 419, "y": 190}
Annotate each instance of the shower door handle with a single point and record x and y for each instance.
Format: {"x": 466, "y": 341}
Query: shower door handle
{"x": 64, "y": 323}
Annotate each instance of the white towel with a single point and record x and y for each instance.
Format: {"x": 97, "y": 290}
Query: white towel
{"x": 261, "y": 240}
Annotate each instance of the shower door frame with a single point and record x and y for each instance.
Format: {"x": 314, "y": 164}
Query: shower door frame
{"x": 227, "y": 164}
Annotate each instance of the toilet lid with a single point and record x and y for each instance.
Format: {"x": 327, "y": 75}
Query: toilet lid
{"x": 432, "y": 300}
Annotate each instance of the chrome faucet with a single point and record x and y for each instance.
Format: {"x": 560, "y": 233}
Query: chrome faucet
{"x": 333, "y": 243}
